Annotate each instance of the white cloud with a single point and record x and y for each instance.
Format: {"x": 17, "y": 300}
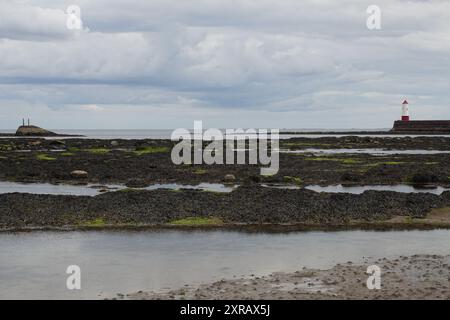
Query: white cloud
{"x": 245, "y": 56}
{"x": 91, "y": 107}
{"x": 21, "y": 21}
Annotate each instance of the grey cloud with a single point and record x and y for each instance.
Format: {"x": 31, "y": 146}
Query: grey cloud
{"x": 250, "y": 56}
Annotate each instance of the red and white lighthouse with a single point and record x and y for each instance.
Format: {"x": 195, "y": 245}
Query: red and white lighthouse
{"x": 405, "y": 111}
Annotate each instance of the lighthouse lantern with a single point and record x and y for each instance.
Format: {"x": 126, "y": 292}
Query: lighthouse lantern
{"x": 405, "y": 111}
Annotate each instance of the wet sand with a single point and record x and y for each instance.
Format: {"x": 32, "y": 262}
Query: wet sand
{"x": 414, "y": 277}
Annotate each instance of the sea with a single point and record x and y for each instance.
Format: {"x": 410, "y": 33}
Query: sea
{"x": 166, "y": 133}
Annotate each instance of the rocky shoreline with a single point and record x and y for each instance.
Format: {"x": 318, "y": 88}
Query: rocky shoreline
{"x": 124, "y": 161}
{"x": 414, "y": 277}
{"x": 139, "y": 163}
{"x": 249, "y": 205}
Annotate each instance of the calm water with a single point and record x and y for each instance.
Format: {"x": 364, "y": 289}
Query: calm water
{"x": 360, "y": 189}
{"x": 166, "y": 133}
{"x": 47, "y": 188}
{"x": 93, "y": 190}
{"x": 33, "y": 265}
{"x": 205, "y": 186}
{"x": 404, "y": 188}
{"x": 371, "y": 151}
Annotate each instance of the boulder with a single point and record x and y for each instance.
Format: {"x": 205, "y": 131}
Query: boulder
{"x": 57, "y": 143}
{"x": 79, "y": 174}
{"x": 35, "y": 143}
{"x": 229, "y": 178}
{"x": 424, "y": 177}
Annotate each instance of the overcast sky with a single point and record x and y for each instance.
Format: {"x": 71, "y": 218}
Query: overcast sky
{"x": 247, "y": 63}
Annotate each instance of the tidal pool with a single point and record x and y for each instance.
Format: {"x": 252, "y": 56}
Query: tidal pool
{"x": 371, "y": 151}
{"x": 48, "y": 188}
{"x": 33, "y": 264}
{"x": 93, "y": 190}
{"x": 360, "y": 189}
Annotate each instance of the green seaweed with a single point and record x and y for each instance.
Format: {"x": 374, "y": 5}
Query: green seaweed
{"x": 98, "y": 150}
{"x": 350, "y": 161}
{"x": 341, "y": 160}
{"x": 294, "y": 180}
{"x": 392, "y": 163}
{"x": 44, "y": 157}
{"x": 149, "y": 150}
{"x": 97, "y": 222}
{"x": 197, "y": 221}
{"x": 200, "y": 171}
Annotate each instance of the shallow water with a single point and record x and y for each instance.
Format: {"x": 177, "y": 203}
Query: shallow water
{"x": 48, "y": 188}
{"x": 213, "y": 187}
{"x": 360, "y": 189}
{"x": 371, "y": 151}
{"x": 93, "y": 190}
{"x": 281, "y": 186}
{"x": 33, "y": 265}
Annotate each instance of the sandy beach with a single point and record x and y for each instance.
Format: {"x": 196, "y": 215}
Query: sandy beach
{"x": 414, "y": 277}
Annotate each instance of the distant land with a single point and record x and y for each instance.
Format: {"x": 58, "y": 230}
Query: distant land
{"x": 35, "y": 131}
{"x": 423, "y": 127}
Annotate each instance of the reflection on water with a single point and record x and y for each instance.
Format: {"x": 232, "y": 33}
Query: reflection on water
{"x": 213, "y": 187}
{"x": 48, "y": 188}
{"x": 360, "y": 189}
{"x": 371, "y": 151}
{"x": 281, "y": 186}
{"x": 33, "y": 265}
{"x": 93, "y": 190}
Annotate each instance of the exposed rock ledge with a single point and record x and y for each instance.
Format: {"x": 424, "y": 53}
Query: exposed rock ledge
{"x": 33, "y": 131}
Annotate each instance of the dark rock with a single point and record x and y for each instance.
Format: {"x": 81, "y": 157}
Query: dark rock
{"x": 137, "y": 183}
{"x": 253, "y": 179}
{"x": 422, "y": 178}
{"x": 33, "y": 131}
{"x": 79, "y": 174}
{"x": 35, "y": 143}
{"x": 248, "y": 204}
{"x": 57, "y": 143}
{"x": 229, "y": 178}
{"x": 351, "y": 177}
